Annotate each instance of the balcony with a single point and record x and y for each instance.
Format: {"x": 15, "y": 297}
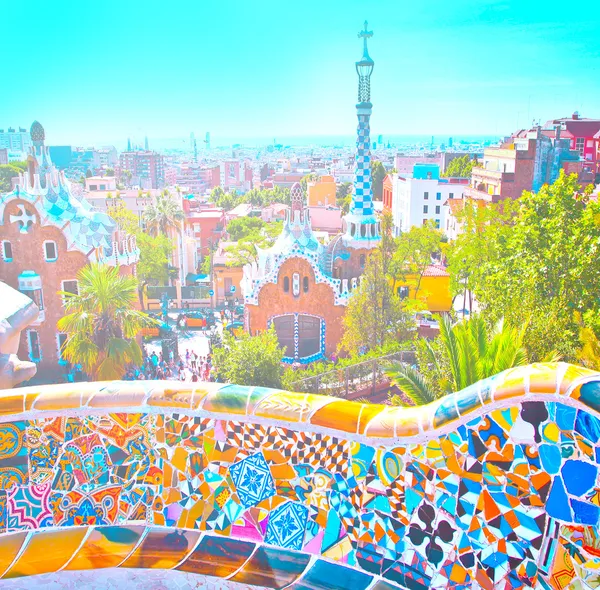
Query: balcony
{"x": 479, "y": 195}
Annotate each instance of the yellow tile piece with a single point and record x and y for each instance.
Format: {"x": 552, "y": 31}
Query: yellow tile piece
{"x": 512, "y": 385}
{"x": 10, "y": 545}
{"x": 542, "y": 377}
{"x": 47, "y": 551}
{"x": 283, "y": 405}
{"x": 172, "y": 397}
{"x": 10, "y": 402}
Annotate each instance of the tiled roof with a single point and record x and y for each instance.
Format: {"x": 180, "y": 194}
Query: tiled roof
{"x": 436, "y": 270}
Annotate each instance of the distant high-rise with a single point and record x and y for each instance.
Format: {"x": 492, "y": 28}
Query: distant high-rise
{"x": 207, "y": 140}
{"x": 146, "y": 144}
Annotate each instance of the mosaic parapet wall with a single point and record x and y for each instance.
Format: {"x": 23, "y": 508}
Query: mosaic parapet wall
{"x": 496, "y": 486}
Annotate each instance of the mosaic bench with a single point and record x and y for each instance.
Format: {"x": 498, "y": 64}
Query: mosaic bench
{"x": 496, "y": 486}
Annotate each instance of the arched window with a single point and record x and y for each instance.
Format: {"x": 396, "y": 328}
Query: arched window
{"x": 362, "y": 260}
{"x": 305, "y": 284}
{"x": 296, "y": 284}
{"x": 286, "y": 284}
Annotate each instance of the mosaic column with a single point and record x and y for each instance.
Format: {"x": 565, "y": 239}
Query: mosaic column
{"x": 362, "y": 201}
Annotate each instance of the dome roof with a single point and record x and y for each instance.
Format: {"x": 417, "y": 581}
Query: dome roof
{"x": 37, "y": 132}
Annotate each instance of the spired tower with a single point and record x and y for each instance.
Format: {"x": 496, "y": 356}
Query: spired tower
{"x": 362, "y": 228}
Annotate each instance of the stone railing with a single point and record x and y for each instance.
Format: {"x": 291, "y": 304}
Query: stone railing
{"x": 496, "y": 486}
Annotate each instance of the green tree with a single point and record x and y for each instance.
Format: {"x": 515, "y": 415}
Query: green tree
{"x": 155, "y": 254}
{"x": 127, "y": 221}
{"x": 311, "y": 177}
{"x": 374, "y": 315}
{"x": 377, "y": 175}
{"x": 413, "y": 254}
{"x": 343, "y": 196}
{"x": 101, "y": 323}
{"x": 7, "y": 173}
{"x": 88, "y": 173}
{"x": 461, "y": 167}
{"x": 163, "y": 215}
{"x": 243, "y": 226}
{"x": 110, "y": 172}
{"x": 463, "y": 354}
{"x": 534, "y": 262}
{"x": 250, "y": 360}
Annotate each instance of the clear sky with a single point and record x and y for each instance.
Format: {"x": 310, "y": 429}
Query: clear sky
{"x": 100, "y": 71}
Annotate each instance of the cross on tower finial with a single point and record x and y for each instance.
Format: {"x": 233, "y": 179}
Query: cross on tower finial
{"x": 365, "y": 34}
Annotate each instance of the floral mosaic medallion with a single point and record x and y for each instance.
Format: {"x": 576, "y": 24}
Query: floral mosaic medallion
{"x": 286, "y": 525}
{"x": 253, "y": 480}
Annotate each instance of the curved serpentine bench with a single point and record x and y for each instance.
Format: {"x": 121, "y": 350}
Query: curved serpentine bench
{"x": 496, "y": 486}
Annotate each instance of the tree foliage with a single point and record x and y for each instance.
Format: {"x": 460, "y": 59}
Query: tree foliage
{"x": 7, "y": 173}
{"x": 343, "y": 196}
{"x": 243, "y": 226}
{"x": 244, "y": 251}
{"x": 464, "y": 353}
{"x": 101, "y": 322}
{"x": 250, "y": 360}
{"x": 413, "y": 253}
{"x": 163, "y": 215}
{"x": 534, "y": 262}
{"x": 375, "y": 315}
{"x": 378, "y": 173}
{"x": 155, "y": 254}
{"x": 255, "y": 197}
{"x": 461, "y": 167}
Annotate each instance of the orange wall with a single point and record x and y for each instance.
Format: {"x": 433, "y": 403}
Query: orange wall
{"x": 321, "y": 192}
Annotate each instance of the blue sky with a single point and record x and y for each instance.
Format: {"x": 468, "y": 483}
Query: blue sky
{"x": 100, "y": 71}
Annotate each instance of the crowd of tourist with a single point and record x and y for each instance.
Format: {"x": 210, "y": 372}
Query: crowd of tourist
{"x": 190, "y": 367}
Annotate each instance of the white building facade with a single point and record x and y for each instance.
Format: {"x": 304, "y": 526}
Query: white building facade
{"x": 422, "y": 197}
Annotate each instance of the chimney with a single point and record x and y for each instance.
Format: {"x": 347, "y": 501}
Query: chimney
{"x": 575, "y": 116}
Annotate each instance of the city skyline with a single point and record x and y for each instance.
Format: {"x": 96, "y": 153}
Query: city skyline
{"x": 239, "y": 71}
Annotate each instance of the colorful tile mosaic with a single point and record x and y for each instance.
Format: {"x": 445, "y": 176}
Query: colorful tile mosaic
{"x": 496, "y": 486}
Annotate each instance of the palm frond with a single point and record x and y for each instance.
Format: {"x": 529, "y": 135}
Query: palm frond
{"x": 410, "y": 382}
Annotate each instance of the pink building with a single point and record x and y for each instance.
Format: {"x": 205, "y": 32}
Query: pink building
{"x": 147, "y": 168}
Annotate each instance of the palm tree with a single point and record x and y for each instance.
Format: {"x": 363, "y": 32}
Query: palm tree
{"x": 101, "y": 322}
{"x": 163, "y": 215}
{"x": 468, "y": 352}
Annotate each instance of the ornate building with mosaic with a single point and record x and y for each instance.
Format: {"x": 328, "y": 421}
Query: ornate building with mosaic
{"x": 47, "y": 234}
{"x": 302, "y": 287}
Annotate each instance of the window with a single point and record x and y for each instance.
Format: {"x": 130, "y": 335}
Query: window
{"x": 296, "y": 284}
{"x": 580, "y": 145}
{"x": 451, "y": 195}
{"x": 362, "y": 260}
{"x": 50, "y": 253}
{"x": 437, "y": 210}
{"x": 437, "y": 223}
{"x": 286, "y": 284}
{"x": 7, "y": 254}
{"x": 102, "y": 187}
{"x": 284, "y": 327}
{"x": 425, "y": 208}
{"x": 438, "y": 196}
{"x": 305, "y": 284}
{"x": 309, "y": 336}
{"x": 426, "y": 196}
{"x": 33, "y": 342}
{"x": 308, "y": 340}
{"x": 402, "y": 292}
{"x": 71, "y": 287}
{"x": 61, "y": 338}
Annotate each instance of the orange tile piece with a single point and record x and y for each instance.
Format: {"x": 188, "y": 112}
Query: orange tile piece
{"x": 543, "y": 378}
{"x": 11, "y": 403}
{"x": 170, "y": 397}
{"x": 341, "y": 415}
{"x": 513, "y": 385}
{"x": 162, "y": 549}
{"x": 47, "y": 551}
{"x": 106, "y": 546}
